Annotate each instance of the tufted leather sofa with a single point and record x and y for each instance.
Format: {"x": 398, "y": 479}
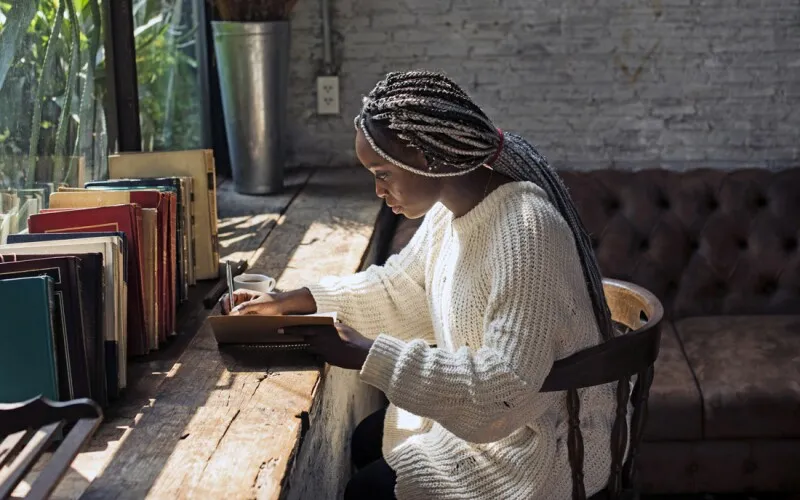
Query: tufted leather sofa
{"x": 720, "y": 250}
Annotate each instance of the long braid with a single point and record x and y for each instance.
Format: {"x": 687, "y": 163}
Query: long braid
{"x": 434, "y": 115}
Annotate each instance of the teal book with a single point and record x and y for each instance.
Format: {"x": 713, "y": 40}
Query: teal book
{"x": 27, "y": 345}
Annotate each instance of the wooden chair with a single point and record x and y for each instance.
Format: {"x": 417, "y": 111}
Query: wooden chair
{"x": 28, "y": 428}
{"x": 637, "y": 315}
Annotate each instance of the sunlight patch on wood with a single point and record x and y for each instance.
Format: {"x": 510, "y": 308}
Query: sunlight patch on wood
{"x": 323, "y": 245}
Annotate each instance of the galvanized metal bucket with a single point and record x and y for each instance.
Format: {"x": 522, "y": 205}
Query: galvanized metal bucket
{"x": 253, "y": 68}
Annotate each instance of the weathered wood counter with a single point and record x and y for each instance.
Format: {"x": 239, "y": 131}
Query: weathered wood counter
{"x": 213, "y": 425}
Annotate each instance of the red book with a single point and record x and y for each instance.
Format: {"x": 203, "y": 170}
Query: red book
{"x": 166, "y": 307}
{"x": 160, "y": 201}
{"x": 155, "y": 199}
{"x": 112, "y": 218}
{"x": 172, "y": 259}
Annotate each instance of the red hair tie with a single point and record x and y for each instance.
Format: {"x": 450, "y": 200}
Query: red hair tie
{"x": 499, "y": 149}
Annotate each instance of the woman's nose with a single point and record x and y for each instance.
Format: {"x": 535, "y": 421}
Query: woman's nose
{"x": 380, "y": 191}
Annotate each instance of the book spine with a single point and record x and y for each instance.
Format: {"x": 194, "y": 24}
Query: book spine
{"x": 192, "y": 233}
{"x": 82, "y": 330}
{"x": 51, "y": 302}
{"x": 212, "y": 207}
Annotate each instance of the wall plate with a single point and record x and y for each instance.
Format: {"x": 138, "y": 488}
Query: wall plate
{"x": 328, "y": 95}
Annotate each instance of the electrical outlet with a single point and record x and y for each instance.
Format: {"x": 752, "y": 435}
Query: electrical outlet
{"x": 328, "y": 95}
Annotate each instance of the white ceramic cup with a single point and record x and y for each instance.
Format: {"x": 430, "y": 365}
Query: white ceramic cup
{"x": 256, "y": 282}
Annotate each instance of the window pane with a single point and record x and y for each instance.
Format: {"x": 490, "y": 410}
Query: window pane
{"x": 165, "y": 34}
{"x": 52, "y": 120}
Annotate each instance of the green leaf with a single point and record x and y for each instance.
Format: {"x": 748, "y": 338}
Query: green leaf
{"x": 37, "y": 104}
{"x": 72, "y": 79}
{"x": 19, "y": 18}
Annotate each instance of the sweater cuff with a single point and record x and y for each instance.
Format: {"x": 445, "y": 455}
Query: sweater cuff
{"x": 378, "y": 369}
{"x": 326, "y": 298}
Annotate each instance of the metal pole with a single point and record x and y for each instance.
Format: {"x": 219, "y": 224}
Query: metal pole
{"x": 327, "y": 58}
{"x": 202, "y": 56}
{"x": 120, "y": 22}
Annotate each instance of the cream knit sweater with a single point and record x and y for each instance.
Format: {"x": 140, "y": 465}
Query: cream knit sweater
{"x": 501, "y": 294}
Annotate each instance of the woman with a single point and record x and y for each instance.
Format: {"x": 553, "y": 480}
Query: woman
{"x": 460, "y": 329}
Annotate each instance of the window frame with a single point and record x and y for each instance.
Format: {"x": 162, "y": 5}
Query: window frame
{"x": 123, "y": 123}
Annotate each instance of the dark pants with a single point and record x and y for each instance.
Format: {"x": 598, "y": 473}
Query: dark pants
{"x": 374, "y": 479}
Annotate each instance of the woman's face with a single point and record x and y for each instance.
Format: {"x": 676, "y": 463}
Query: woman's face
{"x": 407, "y": 193}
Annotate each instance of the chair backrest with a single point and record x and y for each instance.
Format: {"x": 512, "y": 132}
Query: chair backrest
{"x": 26, "y": 431}
{"x": 637, "y": 314}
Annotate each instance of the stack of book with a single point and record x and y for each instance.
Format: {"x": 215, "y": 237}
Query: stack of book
{"x": 16, "y": 205}
{"x": 99, "y": 275}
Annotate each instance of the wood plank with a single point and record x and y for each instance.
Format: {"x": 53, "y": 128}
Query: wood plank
{"x": 62, "y": 457}
{"x": 27, "y": 458}
{"x": 176, "y": 448}
{"x": 246, "y": 221}
{"x": 11, "y": 445}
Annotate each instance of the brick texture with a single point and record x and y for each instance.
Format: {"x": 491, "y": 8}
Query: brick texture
{"x": 593, "y": 83}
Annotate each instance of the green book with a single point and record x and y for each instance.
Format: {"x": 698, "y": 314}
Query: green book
{"x": 27, "y": 345}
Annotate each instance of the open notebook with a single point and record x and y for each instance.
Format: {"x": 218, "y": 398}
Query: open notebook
{"x": 263, "y": 330}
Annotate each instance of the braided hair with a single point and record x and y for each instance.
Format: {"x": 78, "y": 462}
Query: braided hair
{"x": 429, "y": 112}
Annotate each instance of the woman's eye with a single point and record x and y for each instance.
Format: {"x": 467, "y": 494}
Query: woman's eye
{"x": 382, "y": 176}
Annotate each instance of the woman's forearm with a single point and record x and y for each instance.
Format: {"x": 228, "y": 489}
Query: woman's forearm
{"x": 298, "y": 301}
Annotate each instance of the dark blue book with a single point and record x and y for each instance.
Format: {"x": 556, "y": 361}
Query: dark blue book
{"x": 75, "y": 343}
{"x": 28, "y": 359}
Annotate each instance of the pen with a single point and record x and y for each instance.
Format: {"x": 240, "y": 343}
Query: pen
{"x": 229, "y": 276}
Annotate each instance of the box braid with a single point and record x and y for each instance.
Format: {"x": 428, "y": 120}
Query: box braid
{"x": 429, "y": 112}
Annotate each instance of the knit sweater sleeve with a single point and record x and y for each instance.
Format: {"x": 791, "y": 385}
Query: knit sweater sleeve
{"x": 386, "y": 298}
{"x": 485, "y": 394}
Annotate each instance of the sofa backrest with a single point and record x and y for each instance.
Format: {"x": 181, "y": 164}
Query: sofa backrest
{"x": 706, "y": 242}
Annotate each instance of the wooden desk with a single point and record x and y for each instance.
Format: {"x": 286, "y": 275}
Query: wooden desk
{"x": 215, "y": 426}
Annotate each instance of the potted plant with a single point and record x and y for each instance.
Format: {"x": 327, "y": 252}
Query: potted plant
{"x": 251, "y": 44}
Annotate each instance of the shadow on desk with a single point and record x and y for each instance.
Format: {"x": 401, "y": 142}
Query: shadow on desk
{"x": 255, "y": 358}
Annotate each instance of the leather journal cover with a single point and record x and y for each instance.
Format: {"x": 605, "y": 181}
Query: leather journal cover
{"x": 125, "y": 218}
{"x": 74, "y": 350}
{"x": 28, "y": 363}
{"x": 252, "y": 329}
{"x": 90, "y": 276}
{"x": 114, "y": 290}
{"x": 198, "y": 164}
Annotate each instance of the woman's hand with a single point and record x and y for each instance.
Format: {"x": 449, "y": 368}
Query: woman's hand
{"x": 269, "y": 304}
{"x": 338, "y": 345}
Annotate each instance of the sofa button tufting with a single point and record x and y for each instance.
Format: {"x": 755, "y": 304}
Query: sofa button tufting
{"x": 612, "y": 205}
{"x": 768, "y": 287}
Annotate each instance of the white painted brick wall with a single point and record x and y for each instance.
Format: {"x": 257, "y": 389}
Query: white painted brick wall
{"x": 591, "y": 82}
